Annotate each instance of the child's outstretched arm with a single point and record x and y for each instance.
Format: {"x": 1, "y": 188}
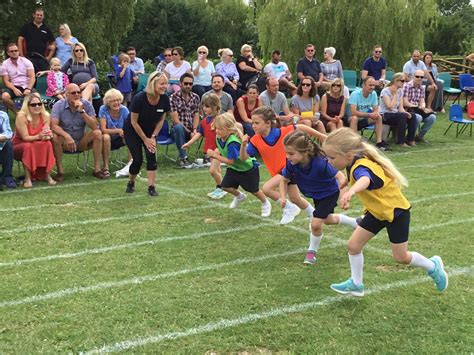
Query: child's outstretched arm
{"x": 216, "y": 155}
{"x": 341, "y": 178}
{"x": 243, "y": 148}
{"x": 283, "y": 191}
{"x": 192, "y": 140}
{"x": 321, "y": 137}
{"x": 360, "y": 185}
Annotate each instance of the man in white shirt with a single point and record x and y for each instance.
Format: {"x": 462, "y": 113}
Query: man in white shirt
{"x": 279, "y": 70}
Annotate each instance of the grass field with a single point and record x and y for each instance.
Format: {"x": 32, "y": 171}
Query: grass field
{"x": 85, "y": 268}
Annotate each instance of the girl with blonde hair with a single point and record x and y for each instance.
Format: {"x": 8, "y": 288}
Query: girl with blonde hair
{"x": 378, "y": 183}
{"x": 240, "y": 172}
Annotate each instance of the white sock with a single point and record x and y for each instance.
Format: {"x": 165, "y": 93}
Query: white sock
{"x": 343, "y": 219}
{"x": 314, "y": 241}
{"x": 309, "y": 210}
{"x": 419, "y": 260}
{"x": 241, "y": 195}
{"x": 357, "y": 267}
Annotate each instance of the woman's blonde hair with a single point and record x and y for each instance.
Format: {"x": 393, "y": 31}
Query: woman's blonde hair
{"x": 345, "y": 140}
{"x": 152, "y": 79}
{"x": 111, "y": 95}
{"x": 340, "y": 82}
{"x": 395, "y": 78}
{"x": 330, "y": 50}
{"x": 66, "y": 28}
{"x": 224, "y": 52}
{"x": 245, "y": 47}
{"x": 26, "y": 103}
{"x": 85, "y": 58}
{"x": 202, "y": 48}
{"x": 227, "y": 121}
{"x": 212, "y": 101}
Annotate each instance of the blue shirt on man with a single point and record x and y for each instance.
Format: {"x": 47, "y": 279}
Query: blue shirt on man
{"x": 374, "y": 68}
{"x": 309, "y": 68}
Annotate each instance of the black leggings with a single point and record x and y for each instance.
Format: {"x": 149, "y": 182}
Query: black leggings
{"x": 401, "y": 122}
{"x": 135, "y": 146}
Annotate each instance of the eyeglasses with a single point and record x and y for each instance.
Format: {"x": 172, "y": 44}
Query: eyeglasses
{"x": 306, "y": 84}
{"x": 187, "y": 83}
{"x": 74, "y": 92}
{"x": 36, "y": 104}
{"x": 202, "y": 52}
{"x": 377, "y": 51}
{"x": 336, "y": 85}
{"x": 78, "y": 50}
{"x": 310, "y": 50}
{"x": 419, "y": 76}
{"x": 175, "y": 53}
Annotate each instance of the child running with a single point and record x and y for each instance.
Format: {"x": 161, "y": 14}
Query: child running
{"x": 211, "y": 105}
{"x": 377, "y": 183}
{"x": 308, "y": 167}
{"x": 240, "y": 172}
{"x": 268, "y": 143}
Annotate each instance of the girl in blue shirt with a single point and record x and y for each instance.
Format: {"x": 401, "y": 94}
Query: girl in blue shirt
{"x": 307, "y": 166}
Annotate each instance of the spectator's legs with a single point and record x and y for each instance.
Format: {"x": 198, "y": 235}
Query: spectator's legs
{"x": 200, "y": 90}
{"x": 88, "y": 92}
{"x": 431, "y": 91}
{"x": 378, "y": 129}
{"x": 399, "y": 120}
{"x": 428, "y": 122}
{"x": 135, "y": 147}
{"x": 353, "y": 120}
{"x": 151, "y": 167}
{"x": 94, "y": 137}
{"x": 58, "y": 153}
{"x": 106, "y": 150}
{"x": 6, "y": 159}
{"x": 8, "y": 101}
{"x": 285, "y": 83}
{"x": 179, "y": 138}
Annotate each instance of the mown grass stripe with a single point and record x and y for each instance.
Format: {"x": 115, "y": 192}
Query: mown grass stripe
{"x": 435, "y": 165}
{"x": 254, "y": 317}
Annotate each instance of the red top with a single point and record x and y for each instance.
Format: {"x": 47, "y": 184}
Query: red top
{"x": 247, "y": 109}
{"x": 274, "y": 155}
{"x": 208, "y": 133}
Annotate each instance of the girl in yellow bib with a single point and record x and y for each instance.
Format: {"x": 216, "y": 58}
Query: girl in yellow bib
{"x": 377, "y": 182}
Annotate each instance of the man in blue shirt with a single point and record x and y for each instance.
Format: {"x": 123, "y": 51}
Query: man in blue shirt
{"x": 6, "y": 152}
{"x": 309, "y": 66}
{"x": 365, "y": 111}
{"x": 375, "y": 66}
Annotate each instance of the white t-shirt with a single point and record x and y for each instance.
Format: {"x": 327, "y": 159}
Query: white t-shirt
{"x": 175, "y": 73}
{"x": 276, "y": 71}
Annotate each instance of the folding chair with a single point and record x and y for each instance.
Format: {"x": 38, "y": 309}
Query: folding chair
{"x": 165, "y": 138}
{"x": 456, "y": 117}
{"x": 41, "y": 86}
{"x": 84, "y": 156}
{"x": 466, "y": 83}
{"x": 448, "y": 90}
{"x": 350, "y": 79}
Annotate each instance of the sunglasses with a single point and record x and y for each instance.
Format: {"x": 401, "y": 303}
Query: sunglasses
{"x": 78, "y": 50}
{"x": 167, "y": 55}
{"x": 13, "y": 50}
{"x": 401, "y": 80}
{"x": 185, "y": 83}
{"x": 306, "y": 84}
{"x": 202, "y": 52}
{"x": 36, "y": 104}
{"x": 336, "y": 85}
{"x": 175, "y": 53}
{"x": 74, "y": 92}
{"x": 310, "y": 50}
{"x": 377, "y": 51}
{"x": 419, "y": 76}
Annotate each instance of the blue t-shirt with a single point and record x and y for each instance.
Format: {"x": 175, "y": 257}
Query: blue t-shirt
{"x": 309, "y": 68}
{"x": 271, "y": 139}
{"x": 124, "y": 84}
{"x": 375, "y": 68}
{"x": 364, "y": 104}
{"x": 233, "y": 149}
{"x": 113, "y": 123}
{"x": 316, "y": 180}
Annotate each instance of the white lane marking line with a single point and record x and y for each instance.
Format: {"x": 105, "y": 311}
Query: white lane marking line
{"x": 442, "y": 224}
{"x": 111, "y": 248}
{"x": 61, "y": 186}
{"x": 450, "y": 177}
{"x": 435, "y": 197}
{"x": 142, "y": 279}
{"x": 254, "y": 317}
{"x": 101, "y": 220}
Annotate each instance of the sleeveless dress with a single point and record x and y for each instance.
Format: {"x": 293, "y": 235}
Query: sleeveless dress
{"x": 38, "y": 156}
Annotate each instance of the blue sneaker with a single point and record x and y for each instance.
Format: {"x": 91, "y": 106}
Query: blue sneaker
{"x": 439, "y": 275}
{"x": 348, "y": 287}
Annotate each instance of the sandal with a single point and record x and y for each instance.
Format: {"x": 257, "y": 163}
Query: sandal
{"x": 99, "y": 175}
{"x": 106, "y": 172}
{"x": 59, "y": 177}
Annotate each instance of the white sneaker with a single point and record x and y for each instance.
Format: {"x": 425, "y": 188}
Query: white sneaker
{"x": 237, "y": 201}
{"x": 124, "y": 171}
{"x": 289, "y": 214}
{"x": 266, "y": 209}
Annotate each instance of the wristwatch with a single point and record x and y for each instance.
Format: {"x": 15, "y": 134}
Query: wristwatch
{"x": 83, "y": 111}
{"x": 153, "y": 136}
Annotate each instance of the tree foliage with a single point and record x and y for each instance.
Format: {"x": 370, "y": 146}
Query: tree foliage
{"x": 189, "y": 23}
{"x": 352, "y": 27}
{"x": 100, "y": 25}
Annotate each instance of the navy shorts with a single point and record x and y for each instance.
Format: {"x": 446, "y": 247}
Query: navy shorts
{"x": 116, "y": 142}
{"x": 249, "y": 180}
{"x": 397, "y": 230}
{"x": 325, "y": 206}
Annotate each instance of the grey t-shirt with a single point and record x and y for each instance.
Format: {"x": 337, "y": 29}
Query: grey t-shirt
{"x": 277, "y": 103}
{"x": 303, "y": 103}
{"x": 226, "y": 101}
{"x": 72, "y": 122}
{"x": 332, "y": 70}
{"x": 386, "y": 92}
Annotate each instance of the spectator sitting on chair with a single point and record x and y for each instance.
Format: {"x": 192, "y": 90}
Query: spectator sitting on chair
{"x": 414, "y": 102}
{"x": 415, "y": 64}
{"x": 309, "y": 66}
{"x": 56, "y": 80}
{"x": 365, "y": 111}
{"x": 277, "y": 101}
{"x": 69, "y": 119}
{"x": 279, "y": 70}
{"x": 185, "y": 115}
{"x": 244, "y": 107}
{"x": 333, "y": 106}
{"x": 437, "y": 99}
{"x": 175, "y": 69}
{"x": 375, "y": 66}
{"x": 306, "y": 104}
{"x": 168, "y": 58}
{"x": 217, "y": 83}
{"x": 229, "y": 72}
{"x": 32, "y": 141}
{"x": 202, "y": 71}
{"x": 394, "y": 114}
{"x": 331, "y": 68}
{"x": 248, "y": 66}
{"x": 18, "y": 77}
{"x": 36, "y": 42}
{"x": 6, "y": 152}
{"x": 84, "y": 72}
{"x": 112, "y": 116}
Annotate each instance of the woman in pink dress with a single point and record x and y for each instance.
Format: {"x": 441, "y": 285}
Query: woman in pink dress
{"x": 32, "y": 141}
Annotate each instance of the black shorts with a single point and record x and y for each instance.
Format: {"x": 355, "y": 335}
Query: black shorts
{"x": 397, "y": 230}
{"x": 362, "y": 122}
{"x": 12, "y": 95}
{"x": 116, "y": 142}
{"x": 325, "y": 206}
{"x": 249, "y": 180}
